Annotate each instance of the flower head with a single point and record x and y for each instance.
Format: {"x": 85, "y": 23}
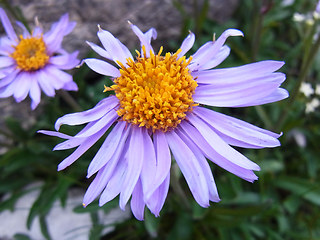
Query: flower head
{"x": 32, "y": 62}
{"x": 158, "y": 107}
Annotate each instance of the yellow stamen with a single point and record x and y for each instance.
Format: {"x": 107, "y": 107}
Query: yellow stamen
{"x": 30, "y": 54}
{"x": 156, "y": 91}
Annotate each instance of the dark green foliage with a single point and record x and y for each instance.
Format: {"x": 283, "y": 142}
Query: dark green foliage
{"x": 283, "y": 204}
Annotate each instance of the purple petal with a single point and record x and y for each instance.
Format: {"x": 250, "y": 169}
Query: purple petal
{"x": 106, "y": 120}
{"x": 137, "y": 203}
{"x": 211, "y": 153}
{"x": 163, "y": 160}
{"x": 205, "y": 53}
{"x": 54, "y": 37}
{"x": 217, "y": 59}
{"x": 151, "y": 34}
{"x": 56, "y": 77}
{"x": 99, "y": 50}
{"x": 278, "y": 95}
{"x": 70, "y": 143}
{"x": 114, "y": 142}
{"x": 97, "y": 185}
{"x": 237, "y": 129}
{"x": 88, "y": 143}
{"x": 135, "y": 162}
{"x": 7, "y": 46}
{"x": 102, "y": 108}
{"x": 35, "y": 94}
{"x": 213, "y": 192}
{"x": 145, "y": 39}
{"x": 44, "y": 84}
{"x": 55, "y": 134}
{"x": 25, "y": 33}
{"x": 22, "y": 85}
{"x": 7, "y": 25}
{"x": 101, "y": 180}
{"x": 238, "y": 74}
{"x": 114, "y": 47}
{"x": 37, "y": 31}
{"x": 9, "y": 78}
{"x": 6, "y": 61}
{"x": 157, "y": 199}
{"x": 75, "y": 140}
{"x": 66, "y": 61}
{"x": 220, "y": 146}
{"x": 190, "y": 168}
{"x": 8, "y": 90}
{"x": 115, "y": 183}
{"x": 239, "y": 94}
{"x": 186, "y": 44}
{"x": 149, "y": 167}
{"x": 102, "y": 67}
{"x": 70, "y": 86}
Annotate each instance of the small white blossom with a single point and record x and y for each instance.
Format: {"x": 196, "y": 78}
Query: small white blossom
{"x": 317, "y": 89}
{"x": 298, "y": 17}
{"x": 298, "y": 136}
{"x": 312, "y": 105}
{"x": 306, "y": 89}
{"x": 286, "y": 3}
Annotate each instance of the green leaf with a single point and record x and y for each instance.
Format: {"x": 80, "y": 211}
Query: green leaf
{"x": 44, "y": 227}
{"x": 151, "y": 224}
{"x": 308, "y": 190}
{"x": 20, "y": 236}
{"x": 15, "y": 127}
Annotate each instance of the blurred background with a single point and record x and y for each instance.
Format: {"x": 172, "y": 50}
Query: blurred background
{"x": 37, "y": 202}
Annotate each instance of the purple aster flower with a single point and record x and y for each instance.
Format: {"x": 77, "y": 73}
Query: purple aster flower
{"x": 34, "y": 61}
{"x": 158, "y": 109}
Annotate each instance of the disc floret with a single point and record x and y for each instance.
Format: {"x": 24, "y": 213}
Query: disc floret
{"x": 156, "y": 91}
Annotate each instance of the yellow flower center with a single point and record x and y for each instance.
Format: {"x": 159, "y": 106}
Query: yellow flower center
{"x": 30, "y": 54}
{"x": 155, "y": 92}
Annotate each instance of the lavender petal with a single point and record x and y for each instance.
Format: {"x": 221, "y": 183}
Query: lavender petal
{"x": 186, "y": 44}
{"x": 211, "y": 153}
{"x": 163, "y": 160}
{"x": 157, "y": 199}
{"x": 114, "y": 143}
{"x": 221, "y": 147}
{"x": 190, "y": 168}
{"x": 210, "y": 49}
{"x": 114, "y": 47}
{"x": 213, "y": 192}
{"x": 238, "y": 74}
{"x": 135, "y": 163}
{"x": 66, "y": 61}
{"x": 7, "y": 26}
{"x": 99, "y": 50}
{"x": 88, "y": 143}
{"x": 102, "y": 108}
{"x": 137, "y": 203}
{"x": 35, "y": 94}
{"x": 102, "y": 67}
{"x": 237, "y": 129}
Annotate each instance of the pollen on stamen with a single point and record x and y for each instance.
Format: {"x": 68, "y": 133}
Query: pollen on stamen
{"x": 30, "y": 54}
{"x": 155, "y": 92}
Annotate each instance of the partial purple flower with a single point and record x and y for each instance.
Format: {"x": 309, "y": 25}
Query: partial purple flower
{"x": 35, "y": 61}
{"x": 318, "y": 8}
{"x": 159, "y": 109}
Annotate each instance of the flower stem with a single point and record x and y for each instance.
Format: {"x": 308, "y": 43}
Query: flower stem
{"x": 306, "y": 66}
{"x": 69, "y": 100}
{"x": 257, "y": 29}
